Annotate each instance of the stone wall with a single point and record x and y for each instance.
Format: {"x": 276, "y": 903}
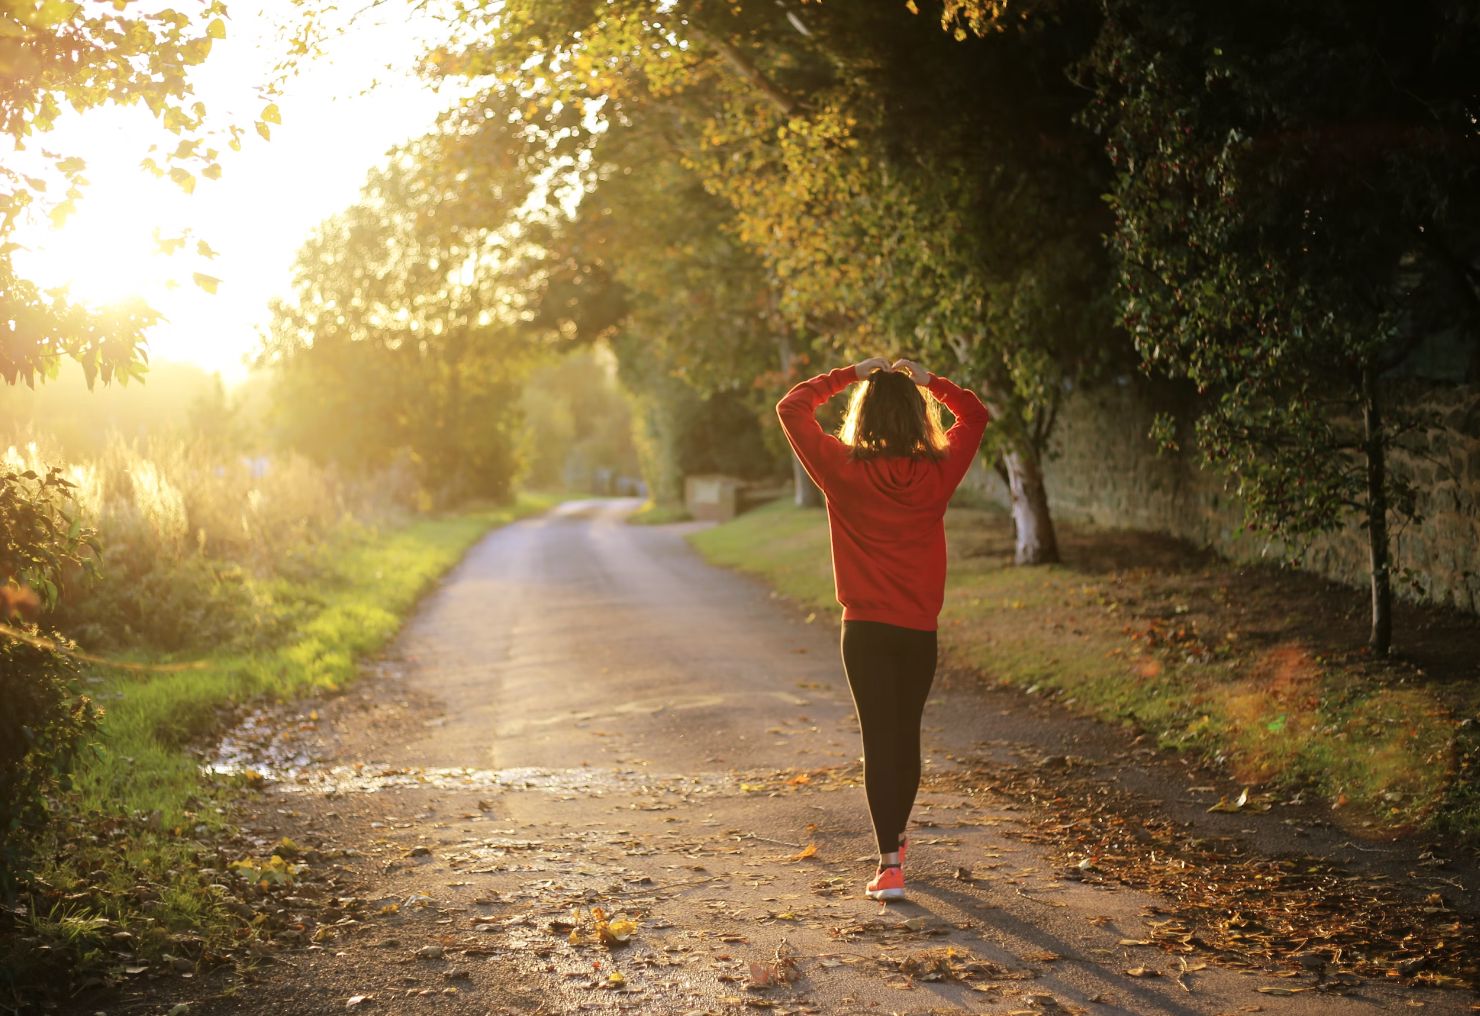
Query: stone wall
{"x": 1106, "y": 470}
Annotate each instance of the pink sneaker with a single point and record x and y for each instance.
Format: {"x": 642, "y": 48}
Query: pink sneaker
{"x": 888, "y": 884}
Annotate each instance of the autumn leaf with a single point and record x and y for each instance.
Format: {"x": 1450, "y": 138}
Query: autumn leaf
{"x": 206, "y": 282}
{"x": 1230, "y": 806}
{"x": 810, "y": 850}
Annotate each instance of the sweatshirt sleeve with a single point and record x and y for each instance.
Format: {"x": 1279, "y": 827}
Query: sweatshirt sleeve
{"x": 819, "y": 452}
{"x": 965, "y": 434}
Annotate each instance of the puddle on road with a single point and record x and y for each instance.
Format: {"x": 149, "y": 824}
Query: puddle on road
{"x": 369, "y": 778}
{"x": 259, "y": 749}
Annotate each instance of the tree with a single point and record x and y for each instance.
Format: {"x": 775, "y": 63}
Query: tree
{"x": 703, "y": 334}
{"x": 1295, "y": 204}
{"x": 404, "y": 336}
{"x": 886, "y": 211}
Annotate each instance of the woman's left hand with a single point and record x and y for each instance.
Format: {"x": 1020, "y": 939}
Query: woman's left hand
{"x": 867, "y": 367}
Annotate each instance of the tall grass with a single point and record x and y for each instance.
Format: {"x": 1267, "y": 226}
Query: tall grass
{"x": 204, "y": 547}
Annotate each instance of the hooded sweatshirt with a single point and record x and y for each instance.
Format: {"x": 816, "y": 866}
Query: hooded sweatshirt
{"x": 885, "y": 514}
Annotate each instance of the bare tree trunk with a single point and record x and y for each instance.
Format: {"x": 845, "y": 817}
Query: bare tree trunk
{"x": 1377, "y": 532}
{"x": 805, "y": 492}
{"x": 1032, "y": 524}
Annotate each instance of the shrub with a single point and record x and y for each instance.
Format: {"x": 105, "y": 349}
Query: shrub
{"x": 44, "y": 719}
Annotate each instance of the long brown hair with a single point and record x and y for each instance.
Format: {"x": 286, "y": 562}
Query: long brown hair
{"x": 889, "y": 415}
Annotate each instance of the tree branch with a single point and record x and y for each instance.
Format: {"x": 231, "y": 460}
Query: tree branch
{"x": 742, "y": 65}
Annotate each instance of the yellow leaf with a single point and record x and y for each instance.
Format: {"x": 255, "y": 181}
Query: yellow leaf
{"x": 216, "y": 29}
{"x": 207, "y": 282}
{"x": 270, "y": 113}
{"x": 620, "y": 929}
{"x": 810, "y": 850}
{"x": 183, "y": 179}
{"x": 263, "y": 129}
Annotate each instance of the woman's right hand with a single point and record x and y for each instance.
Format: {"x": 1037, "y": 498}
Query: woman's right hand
{"x": 867, "y": 367}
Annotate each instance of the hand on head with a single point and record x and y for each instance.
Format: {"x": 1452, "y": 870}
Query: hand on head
{"x": 917, "y": 373}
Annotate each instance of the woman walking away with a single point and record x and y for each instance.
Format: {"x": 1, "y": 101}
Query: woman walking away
{"x": 887, "y": 477}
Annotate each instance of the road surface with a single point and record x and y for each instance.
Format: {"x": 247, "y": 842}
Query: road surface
{"x": 585, "y": 714}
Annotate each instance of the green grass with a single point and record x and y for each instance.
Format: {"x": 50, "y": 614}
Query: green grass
{"x": 1378, "y": 746}
{"x": 144, "y": 815}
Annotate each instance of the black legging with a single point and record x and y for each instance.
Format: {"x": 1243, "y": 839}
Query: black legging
{"x": 890, "y": 670}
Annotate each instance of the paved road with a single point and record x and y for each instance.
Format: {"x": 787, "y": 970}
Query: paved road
{"x": 585, "y": 714}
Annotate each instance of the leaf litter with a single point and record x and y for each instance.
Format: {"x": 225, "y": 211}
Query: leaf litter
{"x": 1301, "y": 913}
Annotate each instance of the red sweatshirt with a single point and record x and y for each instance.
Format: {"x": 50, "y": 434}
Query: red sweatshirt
{"x": 885, "y": 514}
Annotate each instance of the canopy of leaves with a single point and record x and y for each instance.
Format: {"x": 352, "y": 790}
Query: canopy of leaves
{"x": 900, "y": 189}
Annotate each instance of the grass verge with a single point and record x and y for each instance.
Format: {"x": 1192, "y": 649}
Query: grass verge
{"x": 1254, "y": 669}
{"x": 133, "y": 871}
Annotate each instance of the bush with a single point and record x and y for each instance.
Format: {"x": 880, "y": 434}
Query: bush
{"x": 43, "y": 720}
{"x": 44, "y": 723}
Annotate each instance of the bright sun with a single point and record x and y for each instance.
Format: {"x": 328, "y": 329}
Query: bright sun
{"x": 270, "y": 196}
{"x": 106, "y": 251}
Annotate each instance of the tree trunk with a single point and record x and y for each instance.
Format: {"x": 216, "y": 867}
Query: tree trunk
{"x": 1032, "y": 524}
{"x": 806, "y": 493}
{"x": 1377, "y": 532}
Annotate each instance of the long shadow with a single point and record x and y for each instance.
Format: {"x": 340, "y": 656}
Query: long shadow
{"x": 1142, "y": 1000}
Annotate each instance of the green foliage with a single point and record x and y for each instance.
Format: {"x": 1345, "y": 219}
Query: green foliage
{"x": 1285, "y": 219}
{"x": 862, "y": 205}
{"x": 42, "y": 727}
{"x": 402, "y": 341}
{"x": 41, "y": 534}
{"x": 44, "y": 720}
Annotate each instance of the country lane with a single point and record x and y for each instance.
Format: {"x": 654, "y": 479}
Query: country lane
{"x": 585, "y": 720}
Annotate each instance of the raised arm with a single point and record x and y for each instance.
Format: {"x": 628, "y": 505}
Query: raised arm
{"x": 965, "y": 434}
{"x": 819, "y": 452}
{"x": 971, "y": 417}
